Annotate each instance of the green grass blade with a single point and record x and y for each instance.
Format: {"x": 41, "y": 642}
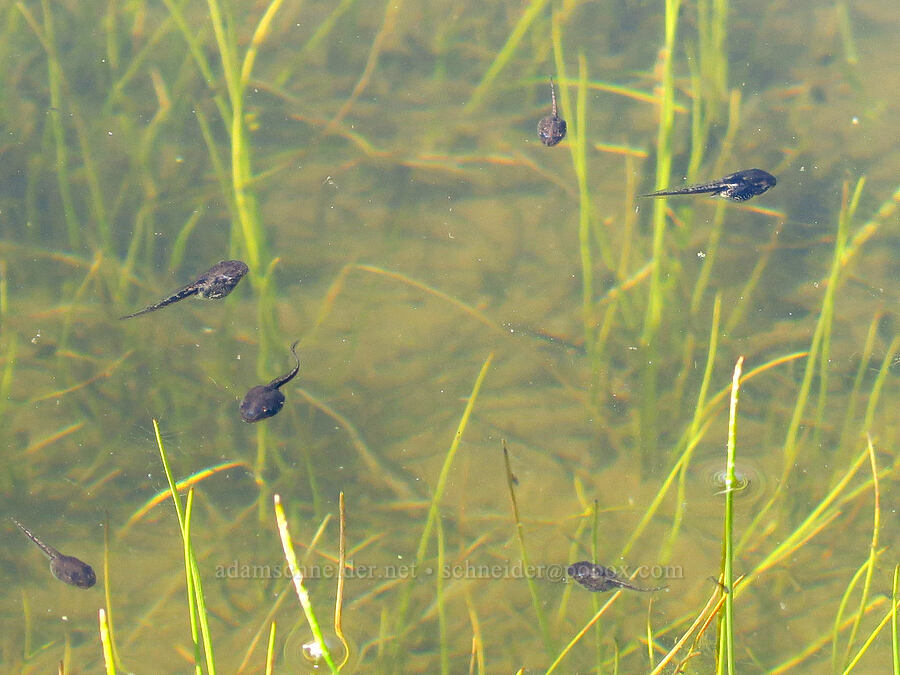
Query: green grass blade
{"x": 523, "y": 552}
{"x": 864, "y": 360}
{"x": 895, "y": 636}
{"x": 873, "y": 552}
{"x": 883, "y": 372}
{"x": 297, "y": 578}
{"x": 448, "y": 461}
{"x": 694, "y": 430}
{"x": 197, "y": 585}
{"x": 434, "y": 508}
{"x": 270, "y": 651}
{"x": 105, "y": 640}
{"x": 196, "y": 602}
{"x": 663, "y": 170}
{"x": 728, "y": 545}
{"x": 441, "y": 605}
{"x": 505, "y": 54}
{"x": 839, "y": 622}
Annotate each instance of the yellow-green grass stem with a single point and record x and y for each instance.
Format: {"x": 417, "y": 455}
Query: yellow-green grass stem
{"x": 848, "y": 428}
{"x": 270, "y": 651}
{"x": 712, "y": 246}
{"x": 663, "y": 170}
{"x": 532, "y": 11}
{"x": 297, "y": 578}
{"x": 841, "y": 623}
{"x": 9, "y": 369}
{"x": 197, "y": 588}
{"x": 791, "y": 441}
{"x": 106, "y": 641}
{"x": 845, "y": 30}
{"x": 699, "y": 117}
{"x": 579, "y": 150}
{"x": 437, "y": 497}
{"x": 878, "y": 385}
{"x": 895, "y": 628}
{"x": 47, "y": 38}
{"x": 864, "y": 647}
{"x": 689, "y": 443}
{"x": 523, "y": 553}
{"x": 441, "y": 486}
{"x": 99, "y": 217}
{"x": 196, "y": 600}
{"x": 715, "y": 602}
{"x": 726, "y": 643}
{"x": 739, "y": 308}
{"x": 392, "y": 10}
{"x": 814, "y": 647}
{"x": 873, "y": 553}
{"x": 342, "y": 573}
{"x": 693, "y": 432}
{"x": 236, "y": 78}
{"x": 443, "y": 633}
{"x": 823, "y": 513}
{"x": 581, "y": 633}
{"x": 595, "y": 601}
{"x": 322, "y": 31}
{"x": 107, "y": 595}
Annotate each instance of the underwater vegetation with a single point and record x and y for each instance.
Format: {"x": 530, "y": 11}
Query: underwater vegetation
{"x": 513, "y": 365}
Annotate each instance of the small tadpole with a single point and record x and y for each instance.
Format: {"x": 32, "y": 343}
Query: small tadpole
{"x": 66, "y": 568}
{"x": 552, "y": 129}
{"x": 264, "y": 400}
{"x": 597, "y": 578}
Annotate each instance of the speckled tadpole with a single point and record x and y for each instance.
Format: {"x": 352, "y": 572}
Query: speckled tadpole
{"x": 598, "y": 578}
{"x": 738, "y": 186}
{"x": 552, "y": 129}
{"x": 217, "y": 282}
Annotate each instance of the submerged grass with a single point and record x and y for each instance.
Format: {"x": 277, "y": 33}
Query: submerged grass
{"x": 199, "y": 617}
{"x": 300, "y": 588}
{"x": 523, "y": 553}
{"x": 726, "y": 642}
{"x": 656, "y": 332}
{"x": 400, "y": 616}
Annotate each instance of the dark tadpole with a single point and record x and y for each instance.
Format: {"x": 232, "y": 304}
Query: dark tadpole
{"x": 598, "y": 578}
{"x": 64, "y": 567}
{"x": 264, "y": 400}
{"x": 217, "y": 282}
{"x": 738, "y": 187}
{"x": 552, "y": 129}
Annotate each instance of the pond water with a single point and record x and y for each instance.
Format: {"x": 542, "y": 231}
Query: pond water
{"x": 378, "y": 168}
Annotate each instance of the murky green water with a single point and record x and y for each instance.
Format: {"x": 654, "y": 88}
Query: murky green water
{"x": 406, "y": 234}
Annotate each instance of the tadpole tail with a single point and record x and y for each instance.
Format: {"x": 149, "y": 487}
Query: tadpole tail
{"x": 690, "y": 190}
{"x": 180, "y": 294}
{"x": 287, "y": 377}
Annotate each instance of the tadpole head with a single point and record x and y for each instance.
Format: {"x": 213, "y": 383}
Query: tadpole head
{"x": 72, "y": 571}
{"x": 260, "y": 403}
{"x": 551, "y": 130}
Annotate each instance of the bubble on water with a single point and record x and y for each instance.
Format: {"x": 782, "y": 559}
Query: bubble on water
{"x": 749, "y": 481}
{"x": 302, "y": 654}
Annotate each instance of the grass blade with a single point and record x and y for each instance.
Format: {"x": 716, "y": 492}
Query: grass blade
{"x": 727, "y": 631}
{"x": 400, "y": 624}
{"x": 105, "y": 640}
{"x": 196, "y": 601}
{"x": 520, "y": 535}
{"x": 297, "y": 578}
